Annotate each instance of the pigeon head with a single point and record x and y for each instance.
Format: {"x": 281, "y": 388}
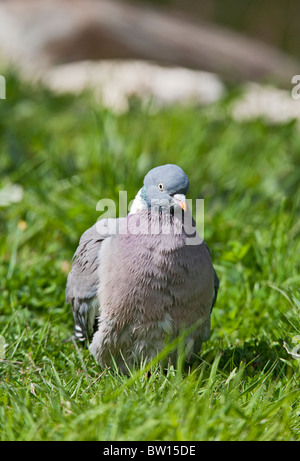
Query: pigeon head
{"x": 165, "y": 187}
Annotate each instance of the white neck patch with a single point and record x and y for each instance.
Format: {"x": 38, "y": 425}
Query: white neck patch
{"x": 138, "y": 203}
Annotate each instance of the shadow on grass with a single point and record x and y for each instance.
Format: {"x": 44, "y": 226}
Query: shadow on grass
{"x": 256, "y": 356}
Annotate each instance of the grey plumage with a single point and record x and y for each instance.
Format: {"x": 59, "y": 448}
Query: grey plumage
{"x": 83, "y": 279}
{"x": 133, "y": 287}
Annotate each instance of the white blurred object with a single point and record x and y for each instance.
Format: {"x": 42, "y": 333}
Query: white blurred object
{"x": 272, "y": 104}
{"x": 114, "y": 82}
{"x": 11, "y": 193}
{"x": 3, "y": 345}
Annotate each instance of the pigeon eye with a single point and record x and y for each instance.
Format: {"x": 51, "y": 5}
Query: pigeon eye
{"x": 160, "y": 186}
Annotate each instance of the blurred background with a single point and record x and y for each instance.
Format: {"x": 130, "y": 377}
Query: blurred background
{"x": 239, "y": 40}
{"x": 168, "y": 51}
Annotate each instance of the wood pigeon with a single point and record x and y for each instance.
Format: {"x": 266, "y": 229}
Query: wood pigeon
{"x": 135, "y": 282}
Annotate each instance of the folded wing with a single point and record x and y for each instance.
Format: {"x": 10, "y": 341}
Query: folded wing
{"x": 83, "y": 279}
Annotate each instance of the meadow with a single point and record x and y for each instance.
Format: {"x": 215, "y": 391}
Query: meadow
{"x": 59, "y": 155}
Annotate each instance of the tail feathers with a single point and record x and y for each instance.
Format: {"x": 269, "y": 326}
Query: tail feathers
{"x": 79, "y": 334}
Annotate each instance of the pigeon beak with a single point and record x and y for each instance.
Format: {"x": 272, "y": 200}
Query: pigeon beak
{"x": 180, "y": 200}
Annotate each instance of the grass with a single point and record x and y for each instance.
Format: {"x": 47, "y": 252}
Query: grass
{"x": 68, "y": 152}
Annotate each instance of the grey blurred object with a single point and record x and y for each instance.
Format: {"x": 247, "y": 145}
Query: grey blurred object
{"x": 136, "y": 283}
{"x": 37, "y": 34}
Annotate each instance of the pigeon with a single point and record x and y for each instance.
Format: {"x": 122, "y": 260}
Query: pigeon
{"x": 140, "y": 281}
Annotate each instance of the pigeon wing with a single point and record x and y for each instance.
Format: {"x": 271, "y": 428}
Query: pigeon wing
{"x": 83, "y": 279}
{"x": 216, "y": 282}
{"x": 216, "y": 278}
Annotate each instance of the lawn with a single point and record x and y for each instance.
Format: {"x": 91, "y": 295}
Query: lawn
{"x": 59, "y": 155}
